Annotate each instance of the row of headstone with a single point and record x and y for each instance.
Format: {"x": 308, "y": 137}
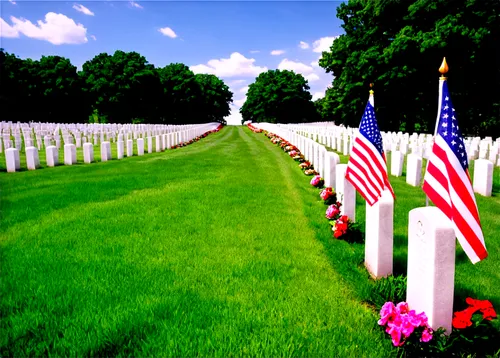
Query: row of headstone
{"x": 431, "y": 239}
{"x": 414, "y": 148}
{"x": 124, "y": 145}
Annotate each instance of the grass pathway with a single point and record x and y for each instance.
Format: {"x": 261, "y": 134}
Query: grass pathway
{"x": 215, "y": 249}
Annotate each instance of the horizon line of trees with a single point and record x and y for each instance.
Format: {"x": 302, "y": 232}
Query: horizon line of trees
{"x": 118, "y": 88}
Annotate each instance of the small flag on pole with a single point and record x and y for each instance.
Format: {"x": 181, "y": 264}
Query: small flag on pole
{"x": 367, "y": 168}
{"x": 447, "y": 182}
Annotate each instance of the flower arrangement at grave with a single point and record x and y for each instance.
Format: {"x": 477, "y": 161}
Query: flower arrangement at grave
{"x": 404, "y": 325}
{"x": 292, "y": 153}
{"x": 345, "y": 229}
{"x": 254, "y": 129}
{"x": 290, "y": 148}
{"x": 333, "y": 211}
{"x": 317, "y": 181}
{"x": 305, "y": 165}
{"x": 310, "y": 172}
{"x": 299, "y": 158}
{"x": 328, "y": 195}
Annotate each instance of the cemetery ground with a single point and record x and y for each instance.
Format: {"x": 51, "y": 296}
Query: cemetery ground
{"x": 219, "y": 248}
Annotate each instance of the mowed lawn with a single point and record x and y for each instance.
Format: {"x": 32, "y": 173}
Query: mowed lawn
{"x": 216, "y": 249}
{"x": 220, "y": 248}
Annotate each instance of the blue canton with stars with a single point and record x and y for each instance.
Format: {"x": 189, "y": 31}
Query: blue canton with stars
{"x": 369, "y": 128}
{"x": 448, "y": 128}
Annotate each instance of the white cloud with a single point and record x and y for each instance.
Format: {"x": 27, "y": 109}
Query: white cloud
{"x": 167, "y": 31}
{"x": 83, "y": 9}
{"x": 315, "y": 64}
{"x": 235, "y": 65}
{"x": 235, "y": 117}
{"x": 277, "y": 52}
{"x": 297, "y": 67}
{"x": 12, "y": 2}
{"x": 312, "y": 77}
{"x": 323, "y": 44}
{"x": 244, "y": 90}
{"x": 93, "y": 37}
{"x": 303, "y": 45}
{"x": 318, "y": 95}
{"x": 6, "y": 30}
{"x": 236, "y": 82}
{"x": 57, "y": 29}
{"x": 239, "y": 102}
{"x": 134, "y": 4}
{"x": 254, "y": 51}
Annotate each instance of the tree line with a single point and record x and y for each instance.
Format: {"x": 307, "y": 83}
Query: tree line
{"x": 118, "y": 88}
{"x": 398, "y": 45}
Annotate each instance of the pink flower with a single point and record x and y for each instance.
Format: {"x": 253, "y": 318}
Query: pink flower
{"x": 407, "y": 327}
{"x": 316, "y": 180}
{"x": 395, "y": 333}
{"x": 387, "y": 312}
{"x": 332, "y": 212}
{"x": 326, "y": 193}
{"x": 426, "y": 335}
{"x": 402, "y": 307}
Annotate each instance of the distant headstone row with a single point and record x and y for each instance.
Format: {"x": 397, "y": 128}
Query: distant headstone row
{"x": 31, "y": 138}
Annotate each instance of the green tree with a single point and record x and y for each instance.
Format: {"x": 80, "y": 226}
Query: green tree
{"x": 399, "y": 45}
{"x": 215, "y": 100}
{"x": 181, "y": 94}
{"x": 122, "y": 86}
{"x": 279, "y": 97}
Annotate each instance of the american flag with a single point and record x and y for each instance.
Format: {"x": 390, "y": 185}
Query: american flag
{"x": 367, "y": 169}
{"x": 447, "y": 182}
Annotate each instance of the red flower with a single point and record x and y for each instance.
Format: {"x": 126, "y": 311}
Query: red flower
{"x": 462, "y": 319}
{"x": 478, "y": 304}
{"x": 337, "y": 233}
{"x": 489, "y": 313}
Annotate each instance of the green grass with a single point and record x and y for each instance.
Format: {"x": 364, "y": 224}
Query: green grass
{"x": 216, "y": 249}
{"x": 220, "y": 248}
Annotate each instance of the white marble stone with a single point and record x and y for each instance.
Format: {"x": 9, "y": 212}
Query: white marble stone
{"x": 120, "y": 149}
{"x": 379, "y": 236}
{"x": 105, "y": 151}
{"x": 397, "y": 159}
{"x": 413, "y": 170}
{"x": 431, "y": 265}
{"x": 51, "y": 156}
{"x": 69, "y": 154}
{"x": 88, "y": 153}
{"x": 130, "y": 147}
{"x": 150, "y": 144}
{"x": 140, "y": 146}
{"x": 32, "y": 161}
{"x": 483, "y": 177}
{"x": 331, "y": 160}
{"x": 10, "y": 159}
{"x": 157, "y": 143}
{"x": 346, "y": 193}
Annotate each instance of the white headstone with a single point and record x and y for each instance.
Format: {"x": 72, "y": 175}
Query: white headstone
{"x": 105, "y": 151}
{"x": 379, "y": 236}
{"x": 431, "y": 266}
{"x": 10, "y": 159}
{"x": 51, "y": 156}
{"x": 150, "y": 144}
{"x": 69, "y": 154}
{"x": 157, "y": 143}
{"x": 397, "y": 159}
{"x": 120, "y": 147}
{"x": 483, "y": 177}
{"x": 413, "y": 170}
{"x": 88, "y": 153}
{"x": 130, "y": 147}
{"x": 140, "y": 146}
{"x": 32, "y": 161}
{"x": 346, "y": 193}
{"x": 331, "y": 160}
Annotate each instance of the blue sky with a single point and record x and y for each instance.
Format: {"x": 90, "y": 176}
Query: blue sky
{"x": 235, "y": 40}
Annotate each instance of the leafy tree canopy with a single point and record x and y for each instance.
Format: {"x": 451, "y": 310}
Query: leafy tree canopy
{"x": 279, "y": 96}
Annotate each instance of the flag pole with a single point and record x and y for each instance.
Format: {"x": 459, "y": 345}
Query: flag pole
{"x": 443, "y": 69}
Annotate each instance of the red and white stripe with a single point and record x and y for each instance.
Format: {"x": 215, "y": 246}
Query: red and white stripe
{"x": 367, "y": 170}
{"x": 450, "y": 189}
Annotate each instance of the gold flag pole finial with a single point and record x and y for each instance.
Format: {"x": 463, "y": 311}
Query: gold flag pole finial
{"x": 371, "y": 86}
{"x": 443, "y": 69}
